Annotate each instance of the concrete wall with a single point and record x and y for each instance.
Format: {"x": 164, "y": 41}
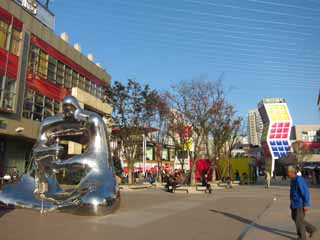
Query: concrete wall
{"x": 299, "y": 129}
{"x": 30, "y": 128}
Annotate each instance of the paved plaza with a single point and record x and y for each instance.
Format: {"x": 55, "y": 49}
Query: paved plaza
{"x": 244, "y": 212}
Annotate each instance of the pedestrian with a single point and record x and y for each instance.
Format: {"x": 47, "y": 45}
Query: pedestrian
{"x": 317, "y": 174}
{"x": 238, "y": 176}
{"x": 267, "y": 179}
{"x": 299, "y": 205}
{"x": 205, "y": 181}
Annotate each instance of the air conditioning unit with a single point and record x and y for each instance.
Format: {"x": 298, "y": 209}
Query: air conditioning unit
{"x": 90, "y": 57}
{"x": 64, "y": 37}
{"x": 77, "y": 47}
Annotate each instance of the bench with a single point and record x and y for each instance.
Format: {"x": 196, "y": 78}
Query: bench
{"x": 201, "y": 188}
{"x": 225, "y": 184}
{"x": 182, "y": 189}
{"x": 135, "y": 187}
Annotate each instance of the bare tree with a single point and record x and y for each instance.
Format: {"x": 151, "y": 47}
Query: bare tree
{"x": 195, "y": 100}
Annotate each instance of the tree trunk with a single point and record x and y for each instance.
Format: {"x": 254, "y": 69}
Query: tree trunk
{"x": 214, "y": 173}
{"x": 130, "y": 174}
{"x": 193, "y": 172}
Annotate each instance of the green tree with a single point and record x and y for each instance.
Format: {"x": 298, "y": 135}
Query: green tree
{"x": 133, "y": 109}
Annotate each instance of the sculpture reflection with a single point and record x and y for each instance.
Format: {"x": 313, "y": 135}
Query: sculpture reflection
{"x": 96, "y": 192}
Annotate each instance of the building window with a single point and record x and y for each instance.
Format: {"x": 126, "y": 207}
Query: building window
{"x": 75, "y": 79}
{"x": 88, "y": 85}
{"x": 38, "y": 107}
{"x": 60, "y": 73}
{"x": 28, "y": 104}
{"x": 52, "y": 69}
{"x": 99, "y": 92}
{"x": 82, "y": 82}
{"x": 56, "y": 107}
{"x": 43, "y": 64}
{"x": 4, "y": 30}
{"x": 93, "y": 89}
{"x": 68, "y": 78}
{"x": 33, "y": 58}
{"x": 15, "y": 42}
{"x": 7, "y": 93}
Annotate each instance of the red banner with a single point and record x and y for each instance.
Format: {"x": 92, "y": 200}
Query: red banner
{"x": 45, "y": 87}
{"x": 8, "y": 64}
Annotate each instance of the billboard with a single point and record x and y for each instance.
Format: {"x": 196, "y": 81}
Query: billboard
{"x": 39, "y": 11}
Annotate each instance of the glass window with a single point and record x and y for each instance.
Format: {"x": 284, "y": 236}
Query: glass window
{"x": 38, "y": 107}
{"x": 60, "y": 73}
{"x": 9, "y": 94}
{"x": 48, "y": 107}
{"x": 52, "y": 69}
{"x": 93, "y": 89}
{"x": 4, "y": 27}
{"x": 33, "y": 58}
{"x": 75, "y": 79}
{"x": 82, "y": 83}
{"x": 28, "y": 104}
{"x": 68, "y": 78}
{"x": 43, "y": 64}
{"x": 56, "y": 106}
{"x": 88, "y": 85}
{"x": 98, "y": 92}
{"x": 15, "y": 42}
{"x": 165, "y": 154}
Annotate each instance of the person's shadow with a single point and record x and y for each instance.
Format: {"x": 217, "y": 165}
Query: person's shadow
{"x": 280, "y": 232}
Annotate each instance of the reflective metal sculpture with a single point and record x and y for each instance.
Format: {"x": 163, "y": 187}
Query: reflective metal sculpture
{"x": 96, "y": 192}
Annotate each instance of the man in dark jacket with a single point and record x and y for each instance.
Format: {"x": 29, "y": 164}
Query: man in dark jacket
{"x": 300, "y": 202}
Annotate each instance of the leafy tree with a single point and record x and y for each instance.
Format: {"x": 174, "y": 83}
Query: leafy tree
{"x": 133, "y": 109}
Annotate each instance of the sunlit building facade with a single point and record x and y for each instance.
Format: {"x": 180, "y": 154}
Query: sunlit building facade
{"x": 37, "y": 70}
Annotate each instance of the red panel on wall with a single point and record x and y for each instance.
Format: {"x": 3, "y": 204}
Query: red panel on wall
{"x": 8, "y": 64}
{"x": 6, "y": 16}
{"x": 46, "y": 87}
{"x": 53, "y": 52}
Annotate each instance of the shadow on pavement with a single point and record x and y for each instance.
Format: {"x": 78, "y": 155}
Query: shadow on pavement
{"x": 282, "y": 233}
{"x": 4, "y": 211}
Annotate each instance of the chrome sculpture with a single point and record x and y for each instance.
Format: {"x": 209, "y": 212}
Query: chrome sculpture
{"x": 96, "y": 193}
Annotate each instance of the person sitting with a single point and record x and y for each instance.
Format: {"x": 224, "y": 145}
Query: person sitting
{"x": 171, "y": 183}
{"x": 205, "y": 182}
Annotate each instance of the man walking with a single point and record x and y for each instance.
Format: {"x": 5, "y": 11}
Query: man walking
{"x": 300, "y": 202}
{"x": 267, "y": 178}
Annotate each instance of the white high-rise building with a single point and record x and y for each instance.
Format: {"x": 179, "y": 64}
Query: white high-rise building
{"x": 255, "y": 127}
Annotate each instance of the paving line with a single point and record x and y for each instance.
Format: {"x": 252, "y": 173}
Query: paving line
{"x": 253, "y": 223}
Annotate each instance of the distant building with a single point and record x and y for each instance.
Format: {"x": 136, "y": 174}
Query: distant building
{"x": 255, "y": 127}
{"x": 277, "y": 123}
{"x": 309, "y": 134}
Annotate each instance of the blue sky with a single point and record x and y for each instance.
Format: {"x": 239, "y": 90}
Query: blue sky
{"x": 260, "y": 48}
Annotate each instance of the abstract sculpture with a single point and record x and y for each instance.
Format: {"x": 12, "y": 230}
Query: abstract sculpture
{"x": 96, "y": 193}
